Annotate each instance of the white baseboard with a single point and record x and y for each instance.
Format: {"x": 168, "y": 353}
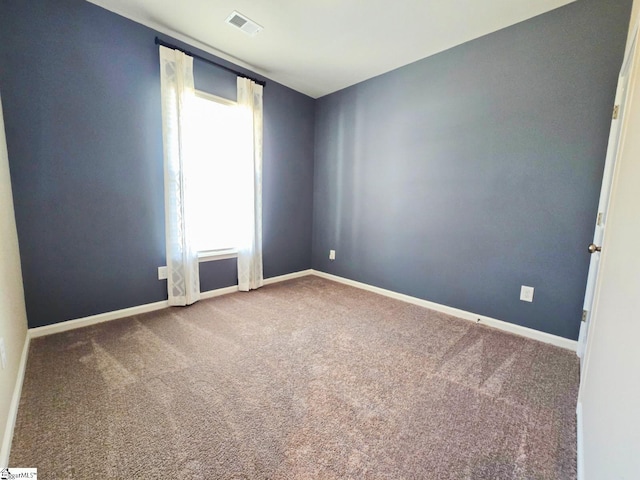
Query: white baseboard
{"x": 218, "y": 292}
{"x": 94, "y": 319}
{"x": 12, "y": 415}
{"x": 140, "y": 309}
{"x": 267, "y": 281}
{"x": 288, "y": 276}
{"x": 580, "y": 444}
{"x": 499, "y": 324}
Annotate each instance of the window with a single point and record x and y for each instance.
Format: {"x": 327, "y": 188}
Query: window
{"x": 216, "y": 174}
{"x": 212, "y": 177}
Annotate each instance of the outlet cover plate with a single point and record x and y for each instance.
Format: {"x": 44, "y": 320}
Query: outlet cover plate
{"x": 526, "y": 293}
{"x": 162, "y": 273}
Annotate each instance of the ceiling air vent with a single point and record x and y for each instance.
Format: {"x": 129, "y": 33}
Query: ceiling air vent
{"x": 243, "y": 23}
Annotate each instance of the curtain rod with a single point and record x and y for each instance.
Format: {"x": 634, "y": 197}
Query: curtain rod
{"x": 240, "y": 74}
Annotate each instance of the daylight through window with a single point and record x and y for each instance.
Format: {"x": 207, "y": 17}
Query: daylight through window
{"x": 216, "y": 141}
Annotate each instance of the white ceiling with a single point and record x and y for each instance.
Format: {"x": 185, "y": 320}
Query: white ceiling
{"x": 320, "y": 46}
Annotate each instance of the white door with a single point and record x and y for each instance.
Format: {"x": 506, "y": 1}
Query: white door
{"x": 605, "y": 194}
{"x": 609, "y": 397}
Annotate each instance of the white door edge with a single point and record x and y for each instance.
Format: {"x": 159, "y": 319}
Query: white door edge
{"x": 599, "y": 239}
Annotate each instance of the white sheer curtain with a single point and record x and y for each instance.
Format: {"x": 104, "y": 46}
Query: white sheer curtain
{"x": 250, "y": 252}
{"x": 176, "y": 80}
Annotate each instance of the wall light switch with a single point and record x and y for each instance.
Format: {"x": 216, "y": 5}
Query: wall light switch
{"x": 526, "y": 294}
{"x": 332, "y": 254}
{"x": 162, "y": 273}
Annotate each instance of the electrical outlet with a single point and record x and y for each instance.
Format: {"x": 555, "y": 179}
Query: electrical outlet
{"x": 3, "y": 353}
{"x": 526, "y": 293}
{"x": 332, "y": 254}
{"x": 162, "y": 273}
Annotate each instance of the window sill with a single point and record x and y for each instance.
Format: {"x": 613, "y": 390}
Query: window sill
{"x": 212, "y": 255}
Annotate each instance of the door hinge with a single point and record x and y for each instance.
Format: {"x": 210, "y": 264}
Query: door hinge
{"x": 616, "y": 110}
{"x": 584, "y": 315}
{"x": 599, "y": 222}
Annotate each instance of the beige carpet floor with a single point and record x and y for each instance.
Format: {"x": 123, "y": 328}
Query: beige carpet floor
{"x": 299, "y": 380}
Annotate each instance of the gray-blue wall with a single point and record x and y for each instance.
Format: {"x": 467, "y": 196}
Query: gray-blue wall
{"x": 455, "y": 179}
{"x": 81, "y": 94}
{"x": 463, "y": 176}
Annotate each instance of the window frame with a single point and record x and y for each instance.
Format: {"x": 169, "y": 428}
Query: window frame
{"x": 212, "y": 255}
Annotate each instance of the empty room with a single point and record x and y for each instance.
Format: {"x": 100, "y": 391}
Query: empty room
{"x": 333, "y": 240}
